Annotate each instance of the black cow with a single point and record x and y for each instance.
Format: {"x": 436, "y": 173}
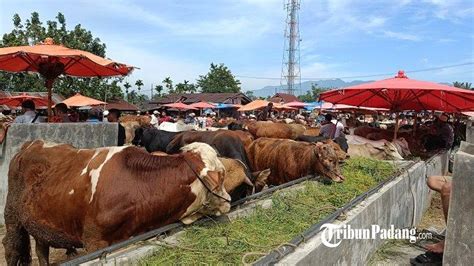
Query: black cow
{"x": 153, "y": 139}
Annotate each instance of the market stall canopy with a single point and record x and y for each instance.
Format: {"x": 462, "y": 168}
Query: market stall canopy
{"x": 280, "y": 106}
{"x": 79, "y": 100}
{"x": 296, "y": 104}
{"x": 224, "y": 105}
{"x": 254, "y": 105}
{"x": 401, "y": 93}
{"x": 345, "y": 107}
{"x": 15, "y": 101}
{"x": 202, "y": 105}
{"x": 179, "y": 106}
{"x": 52, "y": 60}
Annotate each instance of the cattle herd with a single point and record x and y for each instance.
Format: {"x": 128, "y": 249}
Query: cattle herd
{"x": 101, "y": 196}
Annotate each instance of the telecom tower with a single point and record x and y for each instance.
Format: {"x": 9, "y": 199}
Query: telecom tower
{"x": 290, "y": 70}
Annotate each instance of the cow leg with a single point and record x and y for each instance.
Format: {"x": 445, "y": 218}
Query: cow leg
{"x": 42, "y": 251}
{"x": 71, "y": 253}
{"x": 17, "y": 246}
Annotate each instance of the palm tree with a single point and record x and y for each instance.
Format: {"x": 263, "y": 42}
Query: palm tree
{"x": 463, "y": 85}
{"x": 127, "y": 87}
{"x": 139, "y": 84}
{"x": 158, "y": 89}
{"x": 168, "y": 84}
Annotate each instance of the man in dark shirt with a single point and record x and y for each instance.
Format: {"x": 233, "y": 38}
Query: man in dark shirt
{"x": 263, "y": 116}
{"x": 445, "y": 131}
{"x": 113, "y": 117}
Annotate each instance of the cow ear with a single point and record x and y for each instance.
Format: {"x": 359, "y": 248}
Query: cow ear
{"x": 213, "y": 179}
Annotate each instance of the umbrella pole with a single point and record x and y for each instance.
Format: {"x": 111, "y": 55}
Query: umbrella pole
{"x": 415, "y": 124}
{"x": 49, "y": 86}
{"x": 396, "y": 126}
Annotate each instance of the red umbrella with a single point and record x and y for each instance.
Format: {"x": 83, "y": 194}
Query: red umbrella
{"x": 179, "y": 106}
{"x": 401, "y": 93}
{"x": 52, "y": 60}
{"x": 202, "y": 105}
{"x": 15, "y": 101}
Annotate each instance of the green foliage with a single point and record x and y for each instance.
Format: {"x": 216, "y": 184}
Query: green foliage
{"x": 169, "y": 85}
{"x": 185, "y": 87}
{"x": 138, "y": 99}
{"x": 34, "y": 31}
{"x": 463, "y": 85}
{"x": 219, "y": 79}
{"x": 139, "y": 84}
{"x": 250, "y": 95}
{"x": 291, "y": 214}
{"x": 312, "y": 95}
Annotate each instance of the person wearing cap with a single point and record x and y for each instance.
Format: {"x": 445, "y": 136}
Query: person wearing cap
{"x": 445, "y": 132}
{"x": 328, "y": 128}
{"x": 190, "y": 119}
{"x": 113, "y": 117}
{"x": 154, "y": 118}
{"x": 29, "y": 115}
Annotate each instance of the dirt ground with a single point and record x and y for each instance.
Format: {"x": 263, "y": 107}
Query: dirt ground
{"x": 399, "y": 252}
{"x": 55, "y": 255}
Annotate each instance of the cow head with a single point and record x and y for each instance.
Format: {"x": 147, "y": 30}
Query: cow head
{"x": 209, "y": 186}
{"x": 391, "y": 151}
{"x": 326, "y": 162}
{"x": 137, "y": 139}
{"x": 260, "y": 178}
{"x": 341, "y": 155}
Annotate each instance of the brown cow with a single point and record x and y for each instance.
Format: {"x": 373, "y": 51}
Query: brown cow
{"x": 235, "y": 176}
{"x": 289, "y": 160}
{"x": 268, "y": 129}
{"x": 244, "y": 136}
{"x": 98, "y": 197}
{"x": 312, "y": 131}
{"x": 143, "y": 120}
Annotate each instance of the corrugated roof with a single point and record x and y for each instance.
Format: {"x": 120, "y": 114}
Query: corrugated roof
{"x": 283, "y": 97}
{"x": 189, "y": 98}
{"x": 121, "y": 105}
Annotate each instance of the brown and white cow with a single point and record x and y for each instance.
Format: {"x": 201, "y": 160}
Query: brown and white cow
{"x": 71, "y": 198}
{"x": 289, "y": 160}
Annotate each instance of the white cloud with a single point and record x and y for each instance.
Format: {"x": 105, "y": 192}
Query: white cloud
{"x": 401, "y": 36}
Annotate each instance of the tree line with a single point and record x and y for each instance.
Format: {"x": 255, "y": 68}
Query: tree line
{"x": 33, "y": 31}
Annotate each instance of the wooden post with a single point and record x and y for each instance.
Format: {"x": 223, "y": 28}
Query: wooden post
{"x": 49, "y": 86}
{"x": 396, "y": 126}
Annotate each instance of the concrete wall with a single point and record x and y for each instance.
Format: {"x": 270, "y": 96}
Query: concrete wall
{"x": 459, "y": 245}
{"x": 470, "y": 131}
{"x": 80, "y": 135}
{"x": 401, "y": 203}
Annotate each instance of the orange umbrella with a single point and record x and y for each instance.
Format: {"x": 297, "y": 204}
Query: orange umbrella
{"x": 280, "y": 106}
{"x": 254, "y": 105}
{"x": 202, "y": 105}
{"x": 79, "y": 100}
{"x": 179, "y": 106}
{"x": 52, "y": 60}
{"x": 15, "y": 101}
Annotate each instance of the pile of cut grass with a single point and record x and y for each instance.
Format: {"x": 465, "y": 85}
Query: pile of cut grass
{"x": 257, "y": 234}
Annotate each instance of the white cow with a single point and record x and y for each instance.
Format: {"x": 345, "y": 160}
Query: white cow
{"x": 400, "y": 144}
{"x": 380, "y": 149}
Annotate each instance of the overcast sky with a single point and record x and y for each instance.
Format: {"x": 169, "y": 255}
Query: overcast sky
{"x": 339, "y": 38}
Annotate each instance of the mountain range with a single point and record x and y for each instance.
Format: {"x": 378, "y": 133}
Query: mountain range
{"x": 306, "y": 86}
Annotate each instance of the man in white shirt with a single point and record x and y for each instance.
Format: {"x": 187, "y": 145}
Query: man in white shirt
{"x": 29, "y": 115}
{"x": 154, "y": 119}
